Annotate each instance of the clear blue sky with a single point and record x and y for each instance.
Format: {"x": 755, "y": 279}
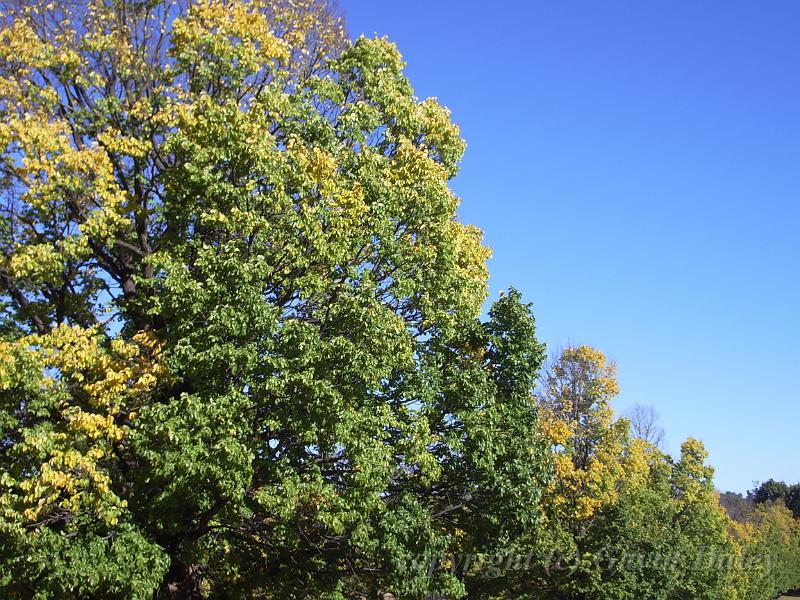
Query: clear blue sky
{"x": 636, "y": 169}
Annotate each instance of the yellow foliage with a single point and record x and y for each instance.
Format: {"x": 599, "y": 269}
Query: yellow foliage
{"x": 227, "y": 29}
{"x": 37, "y": 263}
{"x": 97, "y": 383}
{"x": 693, "y": 476}
{"x": 115, "y": 141}
{"x": 592, "y": 455}
{"x": 636, "y": 462}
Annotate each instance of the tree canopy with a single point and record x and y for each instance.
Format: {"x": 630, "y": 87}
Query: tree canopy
{"x": 242, "y": 352}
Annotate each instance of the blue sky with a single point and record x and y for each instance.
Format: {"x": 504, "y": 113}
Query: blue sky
{"x": 636, "y": 170}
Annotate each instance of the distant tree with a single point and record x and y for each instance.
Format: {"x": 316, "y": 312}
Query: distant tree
{"x": 770, "y": 491}
{"x": 770, "y": 549}
{"x": 738, "y": 507}
{"x": 621, "y": 519}
{"x": 779, "y": 491}
{"x": 576, "y": 390}
{"x": 793, "y": 500}
{"x": 595, "y": 462}
{"x": 703, "y": 527}
{"x": 644, "y": 425}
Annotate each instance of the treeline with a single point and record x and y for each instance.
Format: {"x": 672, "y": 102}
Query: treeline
{"x": 622, "y": 519}
{"x": 766, "y": 519}
{"x": 241, "y": 353}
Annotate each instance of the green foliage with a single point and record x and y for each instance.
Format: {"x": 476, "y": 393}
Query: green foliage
{"x": 242, "y": 354}
{"x": 778, "y": 491}
{"x": 770, "y": 491}
{"x": 240, "y": 345}
{"x": 770, "y": 541}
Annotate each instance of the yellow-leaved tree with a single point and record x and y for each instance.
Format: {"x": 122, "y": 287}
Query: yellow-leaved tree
{"x": 594, "y": 461}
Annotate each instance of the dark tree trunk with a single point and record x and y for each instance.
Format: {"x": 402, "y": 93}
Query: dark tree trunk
{"x": 182, "y": 582}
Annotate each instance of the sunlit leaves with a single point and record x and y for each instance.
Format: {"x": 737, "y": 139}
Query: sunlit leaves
{"x": 230, "y": 245}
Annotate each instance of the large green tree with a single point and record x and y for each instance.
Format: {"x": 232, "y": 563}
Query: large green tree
{"x": 240, "y": 354}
